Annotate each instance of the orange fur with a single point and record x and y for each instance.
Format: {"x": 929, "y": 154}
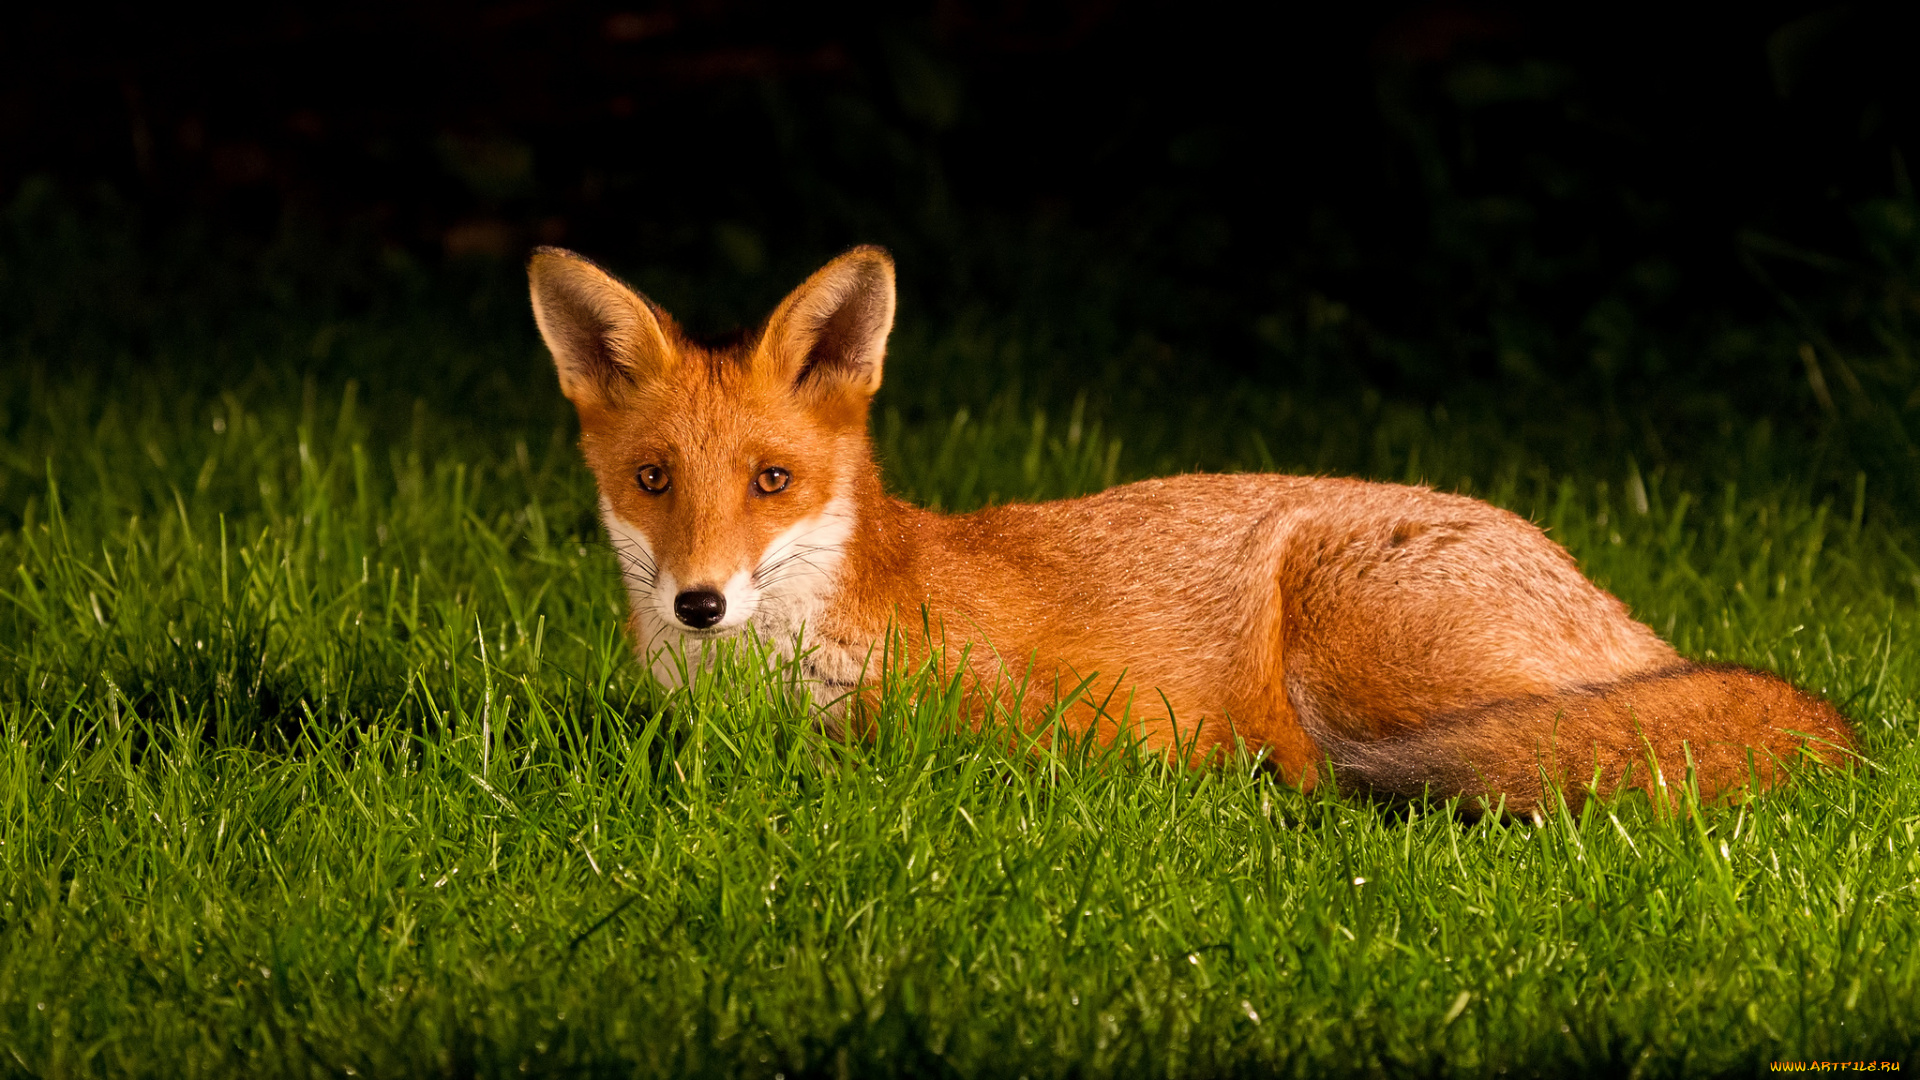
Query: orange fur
{"x": 1422, "y": 643}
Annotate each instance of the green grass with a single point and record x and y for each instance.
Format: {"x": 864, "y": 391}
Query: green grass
{"x": 322, "y": 753}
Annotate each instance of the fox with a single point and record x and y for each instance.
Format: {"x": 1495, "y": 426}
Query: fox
{"x": 1406, "y": 643}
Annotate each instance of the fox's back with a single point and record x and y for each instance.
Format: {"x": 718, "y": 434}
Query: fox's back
{"x": 1390, "y": 602}
{"x": 1148, "y": 581}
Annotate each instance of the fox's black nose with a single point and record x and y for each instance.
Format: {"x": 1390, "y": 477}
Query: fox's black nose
{"x": 700, "y": 608}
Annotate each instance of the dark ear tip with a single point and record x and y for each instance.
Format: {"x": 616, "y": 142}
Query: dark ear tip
{"x": 872, "y": 263}
{"x": 547, "y": 252}
{"x": 870, "y": 253}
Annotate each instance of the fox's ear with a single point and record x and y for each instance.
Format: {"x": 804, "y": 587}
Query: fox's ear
{"x": 829, "y": 336}
{"x": 605, "y": 338}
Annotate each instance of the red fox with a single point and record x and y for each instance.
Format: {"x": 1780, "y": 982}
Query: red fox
{"x": 1425, "y": 645}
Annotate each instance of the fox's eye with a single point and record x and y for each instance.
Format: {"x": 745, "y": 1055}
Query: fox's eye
{"x": 655, "y": 479}
{"x": 772, "y": 481}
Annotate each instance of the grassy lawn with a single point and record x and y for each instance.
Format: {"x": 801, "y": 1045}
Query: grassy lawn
{"x": 322, "y": 753}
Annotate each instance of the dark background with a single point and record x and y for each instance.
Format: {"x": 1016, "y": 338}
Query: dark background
{"x": 1624, "y": 219}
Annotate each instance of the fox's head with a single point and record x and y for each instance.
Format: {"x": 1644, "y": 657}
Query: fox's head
{"x": 726, "y": 473}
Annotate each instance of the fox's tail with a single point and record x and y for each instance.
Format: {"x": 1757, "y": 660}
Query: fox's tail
{"x": 1732, "y": 727}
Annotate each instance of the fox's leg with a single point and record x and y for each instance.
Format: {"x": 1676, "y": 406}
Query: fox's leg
{"x": 1262, "y": 714}
{"x": 1266, "y": 720}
